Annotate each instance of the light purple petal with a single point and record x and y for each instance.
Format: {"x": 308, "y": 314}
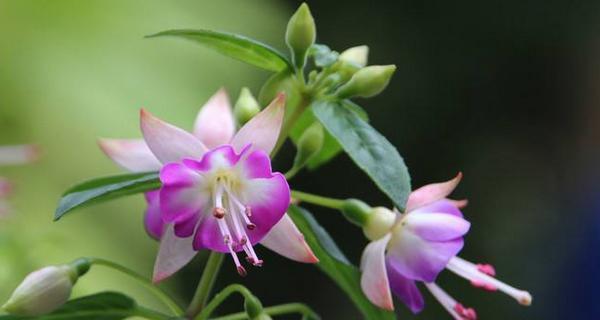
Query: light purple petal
{"x": 269, "y": 199}
{"x": 208, "y": 235}
{"x": 262, "y": 131}
{"x": 130, "y": 154}
{"x": 405, "y": 289}
{"x": 152, "y": 219}
{"x": 174, "y": 253}
{"x": 257, "y": 165}
{"x": 222, "y": 157}
{"x": 436, "y": 226}
{"x": 215, "y": 125}
{"x": 168, "y": 142}
{"x": 431, "y": 192}
{"x": 420, "y": 259}
{"x": 374, "y": 280}
{"x": 18, "y": 154}
{"x": 185, "y": 227}
{"x": 285, "y": 239}
{"x": 441, "y": 206}
{"x": 182, "y": 194}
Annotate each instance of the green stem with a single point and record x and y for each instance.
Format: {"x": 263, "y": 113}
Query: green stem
{"x": 159, "y": 293}
{"x": 287, "y": 308}
{"x": 331, "y": 203}
{"x": 221, "y": 296}
{"x": 209, "y": 276}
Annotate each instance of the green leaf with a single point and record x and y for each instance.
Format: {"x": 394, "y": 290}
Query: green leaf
{"x": 333, "y": 263}
{"x": 235, "y": 46}
{"x": 371, "y": 151}
{"x": 331, "y": 147}
{"x": 323, "y": 56}
{"x": 105, "y": 188}
{"x": 100, "y": 306}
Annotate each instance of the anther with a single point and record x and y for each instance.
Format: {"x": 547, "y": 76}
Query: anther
{"x": 465, "y": 313}
{"x": 242, "y": 271}
{"x": 487, "y": 269}
{"x": 251, "y": 226}
{"x": 244, "y": 240}
{"x": 483, "y": 285}
{"x": 219, "y": 213}
{"x": 248, "y": 211}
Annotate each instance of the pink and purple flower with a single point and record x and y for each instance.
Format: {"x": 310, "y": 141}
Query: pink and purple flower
{"x": 218, "y": 189}
{"x": 418, "y": 246}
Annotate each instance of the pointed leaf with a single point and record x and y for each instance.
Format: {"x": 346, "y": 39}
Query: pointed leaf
{"x": 371, "y": 151}
{"x": 235, "y": 46}
{"x": 333, "y": 263}
{"x": 100, "y": 306}
{"x": 105, "y": 188}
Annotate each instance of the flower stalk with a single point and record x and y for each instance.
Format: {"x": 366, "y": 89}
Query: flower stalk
{"x": 302, "y": 309}
{"x": 207, "y": 281}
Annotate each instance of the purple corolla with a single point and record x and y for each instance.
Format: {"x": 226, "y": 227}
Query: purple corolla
{"x": 416, "y": 246}
{"x": 218, "y": 189}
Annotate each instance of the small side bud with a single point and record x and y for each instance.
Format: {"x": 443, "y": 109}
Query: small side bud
{"x": 44, "y": 291}
{"x": 246, "y": 107}
{"x": 309, "y": 144}
{"x": 367, "y": 82}
{"x": 253, "y": 307}
{"x": 300, "y": 34}
{"x": 356, "y": 55}
{"x": 356, "y": 211}
{"x": 379, "y": 223}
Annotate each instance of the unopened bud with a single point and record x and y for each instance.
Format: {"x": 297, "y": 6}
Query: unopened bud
{"x": 379, "y": 223}
{"x": 43, "y": 291}
{"x": 356, "y": 211}
{"x": 309, "y": 144}
{"x": 300, "y": 34}
{"x": 367, "y": 82}
{"x": 356, "y": 55}
{"x": 246, "y": 107}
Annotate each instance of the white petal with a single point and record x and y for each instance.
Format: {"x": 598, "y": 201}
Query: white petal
{"x": 130, "y": 154}
{"x": 285, "y": 239}
{"x": 18, "y": 154}
{"x": 174, "y": 253}
{"x": 262, "y": 131}
{"x": 215, "y": 125}
{"x": 168, "y": 142}
{"x": 374, "y": 280}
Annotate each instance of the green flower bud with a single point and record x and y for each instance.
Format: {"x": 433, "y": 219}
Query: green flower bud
{"x": 379, "y": 223}
{"x": 356, "y": 211}
{"x": 309, "y": 144}
{"x": 300, "y": 34}
{"x": 253, "y": 307}
{"x": 356, "y": 55}
{"x": 245, "y": 107}
{"x": 45, "y": 290}
{"x": 367, "y": 82}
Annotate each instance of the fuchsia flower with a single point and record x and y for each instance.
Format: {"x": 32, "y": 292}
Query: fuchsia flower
{"x": 13, "y": 155}
{"x": 420, "y": 244}
{"x": 218, "y": 190}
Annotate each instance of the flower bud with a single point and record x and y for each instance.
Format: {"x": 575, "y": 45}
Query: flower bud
{"x": 356, "y": 55}
{"x": 245, "y": 107}
{"x": 356, "y": 211}
{"x": 379, "y": 222}
{"x": 309, "y": 144}
{"x": 367, "y": 82}
{"x": 300, "y": 34}
{"x": 42, "y": 291}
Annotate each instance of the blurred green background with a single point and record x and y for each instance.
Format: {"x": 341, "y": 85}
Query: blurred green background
{"x": 505, "y": 91}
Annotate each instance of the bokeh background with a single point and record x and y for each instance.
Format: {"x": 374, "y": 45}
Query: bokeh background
{"x": 508, "y": 92}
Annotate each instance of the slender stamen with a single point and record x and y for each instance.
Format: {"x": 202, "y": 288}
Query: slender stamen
{"x": 456, "y": 310}
{"x": 240, "y": 269}
{"x": 470, "y": 272}
{"x": 247, "y": 211}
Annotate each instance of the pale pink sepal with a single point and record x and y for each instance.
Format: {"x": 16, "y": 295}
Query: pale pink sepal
{"x": 286, "y": 240}
{"x": 18, "y": 154}
{"x": 5, "y": 187}
{"x": 174, "y": 253}
{"x": 262, "y": 131}
{"x": 374, "y": 280}
{"x": 214, "y": 124}
{"x": 431, "y": 193}
{"x": 130, "y": 154}
{"x": 168, "y": 142}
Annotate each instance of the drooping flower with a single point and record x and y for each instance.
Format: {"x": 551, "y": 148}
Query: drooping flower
{"x": 417, "y": 246}
{"x": 13, "y": 155}
{"x": 219, "y": 192}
